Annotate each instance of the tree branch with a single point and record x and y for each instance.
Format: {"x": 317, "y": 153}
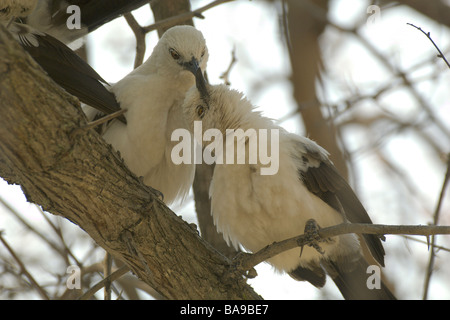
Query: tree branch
{"x": 166, "y": 23}
{"x": 79, "y": 177}
{"x": 435, "y": 221}
{"x": 139, "y": 34}
{"x": 24, "y": 270}
{"x": 427, "y": 34}
{"x": 246, "y": 262}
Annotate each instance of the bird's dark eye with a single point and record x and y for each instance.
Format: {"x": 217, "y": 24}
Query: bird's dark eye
{"x": 203, "y": 52}
{"x": 201, "y": 111}
{"x": 175, "y": 55}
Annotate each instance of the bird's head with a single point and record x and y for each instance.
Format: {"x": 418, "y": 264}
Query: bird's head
{"x": 217, "y": 107}
{"x": 182, "y": 50}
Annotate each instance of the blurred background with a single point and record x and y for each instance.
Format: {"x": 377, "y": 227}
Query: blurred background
{"x": 351, "y": 75}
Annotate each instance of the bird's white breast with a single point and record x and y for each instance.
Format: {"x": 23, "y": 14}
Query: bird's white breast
{"x": 154, "y": 111}
{"x": 256, "y": 210}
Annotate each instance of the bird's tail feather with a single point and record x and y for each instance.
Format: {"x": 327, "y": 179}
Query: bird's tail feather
{"x": 355, "y": 283}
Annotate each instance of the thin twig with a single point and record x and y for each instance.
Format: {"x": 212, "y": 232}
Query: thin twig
{"x": 428, "y": 34}
{"x": 226, "y": 74}
{"x": 433, "y": 238}
{"x": 114, "y": 276}
{"x": 107, "y": 264}
{"x": 65, "y": 249}
{"x": 100, "y": 121}
{"x": 23, "y": 269}
{"x": 61, "y": 251}
{"x": 249, "y": 261}
{"x": 139, "y": 34}
{"x": 321, "y": 15}
{"x": 438, "y": 247}
{"x": 182, "y": 17}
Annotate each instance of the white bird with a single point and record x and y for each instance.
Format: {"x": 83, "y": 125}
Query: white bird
{"x": 254, "y": 210}
{"x": 152, "y": 94}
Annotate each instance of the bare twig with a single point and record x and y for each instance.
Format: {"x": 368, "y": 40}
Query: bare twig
{"x": 226, "y": 74}
{"x": 433, "y": 238}
{"x": 321, "y": 14}
{"x": 440, "y": 248}
{"x": 24, "y": 270}
{"x": 440, "y": 55}
{"x": 139, "y": 33}
{"x": 100, "y": 121}
{"x": 107, "y": 264}
{"x": 61, "y": 251}
{"x": 184, "y": 16}
{"x": 65, "y": 250}
{"x": 114, "y": 276}
{"x": 246, "y": 262}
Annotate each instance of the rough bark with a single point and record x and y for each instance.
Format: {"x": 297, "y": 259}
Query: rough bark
{"x": 75, "y": 174}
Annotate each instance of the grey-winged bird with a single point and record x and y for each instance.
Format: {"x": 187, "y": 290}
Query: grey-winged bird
{"x": 60, "y": 62}
{"x": 57, "y": 17}
{"x": 54, "y": 16}
{"x": 153, "y": 94}
{"x": 42, "y": 29}
{"x": 253, "y": 210}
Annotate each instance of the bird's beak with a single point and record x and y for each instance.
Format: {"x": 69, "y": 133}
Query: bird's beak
{"x": 192, "y": 66}
{"x": 201, "y": 85}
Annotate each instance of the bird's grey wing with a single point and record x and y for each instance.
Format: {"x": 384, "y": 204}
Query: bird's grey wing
{"x": 95, "y": 13}
{"x": 321, "y": 178}
{"x": 51, "y": 16}
{"x": 67, "y": 69}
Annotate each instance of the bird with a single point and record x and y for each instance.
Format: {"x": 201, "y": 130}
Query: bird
{"x": 66, "y": 68}
{"x": 54, "y": 16}
{"x": 303, "y": 194}
{"x": 152, "y": 94}
{"x": 59, "y": 61}
{"x": 57, "y": 17}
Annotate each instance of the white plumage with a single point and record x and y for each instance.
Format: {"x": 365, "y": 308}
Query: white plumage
{"x": 152, "y": 95}
{"x": 255, "y": 210}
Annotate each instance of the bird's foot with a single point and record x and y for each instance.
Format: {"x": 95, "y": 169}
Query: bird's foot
{"x": 158, "y": 193}
{"x": 312, "y": 237}
{"x": 238, "y": 265}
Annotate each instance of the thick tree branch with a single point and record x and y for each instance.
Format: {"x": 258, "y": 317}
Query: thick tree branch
{"x": 79, "y": 177}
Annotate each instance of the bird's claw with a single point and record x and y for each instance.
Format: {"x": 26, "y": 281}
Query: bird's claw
{"x": 158, "y": 193}
{"x": 238, "y": 262}
{"x": 311, "y": 236}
